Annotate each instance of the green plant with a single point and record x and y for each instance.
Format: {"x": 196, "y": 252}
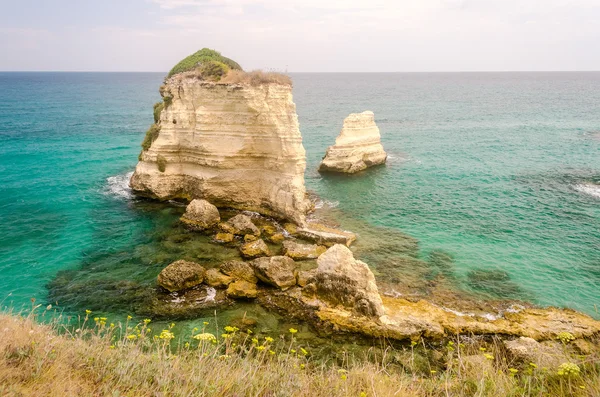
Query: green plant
{"x": 168, "y": 100}
{"x": 158, "y": 107}
{"x": 162, "y": 163}
{"x": 198, "y": 58}
{"x": 151, "y": 136}
{"x": 213, "y": 70}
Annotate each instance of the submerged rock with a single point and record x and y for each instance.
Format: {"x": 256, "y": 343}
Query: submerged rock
{"x": 224, "y": 237}
{"x": 342, "y": 280}
{"x": 181, "y": 275}
{"x": 242, "y": 290}
{"x": 357, "y": 147}
{"x": 242, "y": 225}
{"x": 299, "y": 251}
{"x": 216, "y": 279}
{"x": 238, "y": 145}
{"x": 254, "y": 249}
{"x": 278, "y": 271}
{"x": 324, "y": 235}
{"x": 200, "y": 215}
{"x": 239, "y": 271}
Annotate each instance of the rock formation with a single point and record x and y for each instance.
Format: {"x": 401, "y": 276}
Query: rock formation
{"x": 357, "y": 147}
{"x": 278, "y": 271}
{"x": 236, "y": 145}
{"x": 181, "y": 275}
{"x": 200, "y": 215}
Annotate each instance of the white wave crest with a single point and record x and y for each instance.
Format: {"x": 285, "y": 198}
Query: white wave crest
{"x": 118, "y": 186}
{"x": 588, "y": 188}
{"x": 325, "y": 203}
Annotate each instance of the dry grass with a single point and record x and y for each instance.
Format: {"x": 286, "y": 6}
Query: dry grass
{"x": 100, "y": 359}
{"x": 256, "y": 78}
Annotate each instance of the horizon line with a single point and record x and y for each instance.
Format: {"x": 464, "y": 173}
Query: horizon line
{"x": 438, "y": 71}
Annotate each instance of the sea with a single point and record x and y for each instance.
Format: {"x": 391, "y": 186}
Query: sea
{"x": 492, "y": 182}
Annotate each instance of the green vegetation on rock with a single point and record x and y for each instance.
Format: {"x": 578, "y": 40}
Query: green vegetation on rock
{"x": 205, "y": 55}
{"x": 151, "y": 136}
{"x": 158, "y": 107}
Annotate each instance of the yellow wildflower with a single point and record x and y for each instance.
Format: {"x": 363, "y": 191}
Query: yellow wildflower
{"x": 205, "y": 337}
{"x": 293, "y": 331}
{"x": 260, "y": 348}
{"x": 488, "y": 356}
{"x": 269, "y": 339}
{"x": 88, "y": 312}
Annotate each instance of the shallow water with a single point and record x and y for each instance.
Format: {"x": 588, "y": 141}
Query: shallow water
{"x": 491, "y": 184}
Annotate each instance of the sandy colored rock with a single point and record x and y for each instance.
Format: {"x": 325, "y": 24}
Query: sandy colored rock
{"x": 268, "y": 230}
{"x": 181, "y": 275}
{"x": 249, "y": 237}
{"x": 215, "y": 278}
{"x": 324, "y": 235}
{"x": 298, "y": 251}
{"x": 343, "y": 280}
{"x": 239, "y": 271}
{"x": 276, "y": 238}
{"x": 224, "y": 237}
{"x": 236, "y": 145}
{"x": 200, "y": 215}
{"x": 357, "y": 147}
{"x": 549, "y": 354}
{"x": 254, "y": 249}
{"x": 242, "y": 225}
{"x": 278, "y": 271}
{"x": 290, "y": 228}
{"x": 305, "y": 277}
{"x": 242, "y": 290}
{"x": 225, "y": 227}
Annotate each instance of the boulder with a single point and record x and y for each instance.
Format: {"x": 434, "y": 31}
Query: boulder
{"x": 181, "y": 275}
{"x": 276, "y": 238}
{"x": 241, "y": 289}
{"x": 548, "y": 354}
{"x": 305, "y": 277}
{"x": 239, "y": 271}
{"x": 254, "y": 249}
{"x": 200, "y": 215}
{"x": 300, "y": 252}
{"x": 342, "y": 280}
{"x": 278, "y": 271}
{"x": 226, "y": 228}
{"x": 216, "y": 279}
{"x": 326, "y": 236}
{"x": 242, "y": 224}
{"x": 224, "y": 237}
{"x": 357, "y": 147}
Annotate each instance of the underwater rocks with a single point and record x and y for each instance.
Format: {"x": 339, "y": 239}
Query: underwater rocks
{"x": 278, "y": 271}
{"x": 181, "y": 275}
{"x": 200, "y": 215}
{"x": 239, "y": 270}
{"x": 324, "y": 235}
{"x": 214, "y": 278}
{"x": 342, "y": 280}
{"x": 300, "y": 252}
{"x": 235, "y": 144}
{"x": 357, "y": 147}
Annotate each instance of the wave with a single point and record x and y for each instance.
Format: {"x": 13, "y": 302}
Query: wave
{"x": 588, "y": 188}
{"x": 118, "y": 186}
{"x": 325, "y": 203}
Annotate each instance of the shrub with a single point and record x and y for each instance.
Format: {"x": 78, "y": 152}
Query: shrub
{"x": 204, "y": 55}
{"x": 158, "y": 107}
{"x": 151, "y": 136}
{"x": 168, "y": 100}
{"x": 213, "y": 70}
{"x": 256, "y": 78}
{"x": 162, "y": 163}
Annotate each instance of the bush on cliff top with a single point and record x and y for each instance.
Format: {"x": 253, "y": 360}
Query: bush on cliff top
{"x": 197, "y": 59}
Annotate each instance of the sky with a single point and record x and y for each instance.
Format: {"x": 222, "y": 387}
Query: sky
{"x": 302, "y": 35}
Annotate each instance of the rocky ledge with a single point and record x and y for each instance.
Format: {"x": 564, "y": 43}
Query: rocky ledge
{"x": 357, "y": 147}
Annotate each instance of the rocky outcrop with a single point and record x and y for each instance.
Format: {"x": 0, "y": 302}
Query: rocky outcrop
{"x": 181, "y": 275}
{"x": 300, "y": 252}
{"x": 200, "y": 215}
{"x": 254, "y": 249}
{"x": 278, "y": 271}
{"x": 234, "y": 144}
{"x": 239, "y": 271}
{"x": 342, "y": 280}
{"x": 214, "y": 278}
{"x": 242, "y": 290}
{"x": 357, "y": 147}
{"x": 324, "y": 235}
{"x": 242, "y": 225}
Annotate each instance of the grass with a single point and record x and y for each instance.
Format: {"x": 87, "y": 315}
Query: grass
{"x": 151, "y": 136}
{"x": 99, "y": 358}
{"x": 205, "y": 55}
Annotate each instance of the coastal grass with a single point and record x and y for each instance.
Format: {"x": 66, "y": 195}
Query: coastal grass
{"x": 217, "y": 62}
{"x": 100, "y": 358}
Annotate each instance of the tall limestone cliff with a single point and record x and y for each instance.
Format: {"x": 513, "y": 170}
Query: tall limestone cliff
{"x": 235, "y": 144}
{"x": 357, "y": 147}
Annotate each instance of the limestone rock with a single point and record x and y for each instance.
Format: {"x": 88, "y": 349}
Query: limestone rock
{"x": 250, "y": 237}
{"x": 254, "y": 249}
{"x": 300, "y": 252}
{"x": 224, "y": 237}
{"x": 242, "y": 290}
{"x": 181, "y": 275}
{"x": 324, "y": 235}
{"x": 242, "y": 225}
{"x": 200, "y": 215}
{"x": 235, "y": 144}
{"x": 357, "y": 147}
{"x": 216, "y": 279}
{"x": 306, "y": 276}
{"x": 277, "y": 238}
{"x": 239, "y": 271}
{"x": 343, "y": 280}
{"x": 548, "y": 354}
{"x": 278, "y": 271}
{"x": 226, "y": 228}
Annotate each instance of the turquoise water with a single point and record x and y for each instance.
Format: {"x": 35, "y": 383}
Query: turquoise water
{"x": 499, "y": 171}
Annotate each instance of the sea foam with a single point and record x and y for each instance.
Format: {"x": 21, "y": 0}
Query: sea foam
{"x": 588, "y": 188}
{"x": 118, "y": 185}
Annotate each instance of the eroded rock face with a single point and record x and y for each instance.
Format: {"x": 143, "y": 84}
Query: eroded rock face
{"x": 278, "y": 271}
{"x": 200, "y": 215}
{"x": 357, "y": 147}
{"x": 181, "y": 275}
{"x": 342, "y": 280}
{"x": 214, "y": 278}
{"x": 235, "y": 145}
